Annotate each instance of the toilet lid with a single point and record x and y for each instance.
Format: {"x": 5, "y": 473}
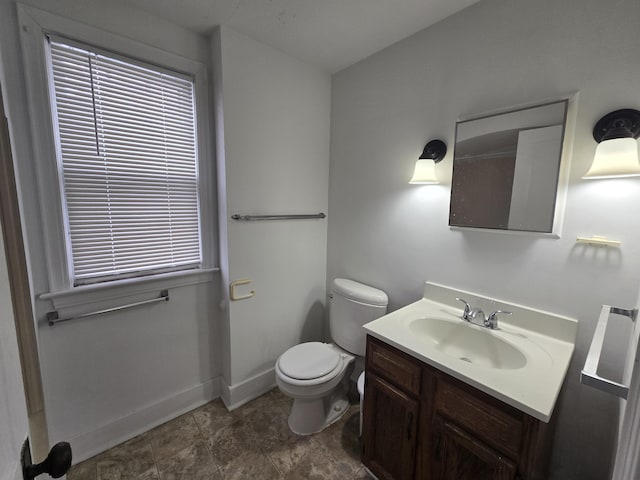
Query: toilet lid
{"x": 308, "y": 360}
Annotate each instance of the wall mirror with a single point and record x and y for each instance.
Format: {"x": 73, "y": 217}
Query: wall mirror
{"x": 507, "y": 169}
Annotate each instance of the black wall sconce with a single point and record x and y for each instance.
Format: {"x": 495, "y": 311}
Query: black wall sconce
{"x": 425, "y": 170}
{"x": 617, "y": 151}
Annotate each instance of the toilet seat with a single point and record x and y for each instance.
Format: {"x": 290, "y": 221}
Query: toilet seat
{"x": 307, "y": 361}
{"x": 309, "y": 386}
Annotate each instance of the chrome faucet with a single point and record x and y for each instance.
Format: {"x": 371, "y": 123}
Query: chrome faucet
{"x": 470, "y": 314}
{"x": 492, "y": 320}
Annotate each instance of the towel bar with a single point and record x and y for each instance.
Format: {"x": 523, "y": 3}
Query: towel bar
{"x": 250, "y": 218}
{"x": 53, "y": 317}
{"x": 589, "y": 375}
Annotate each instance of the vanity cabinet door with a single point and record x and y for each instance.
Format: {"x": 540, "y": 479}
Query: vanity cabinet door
{"x": 389, "y": 430}
{"x": 420, "y": 423}
{"x": 458, "y": 455}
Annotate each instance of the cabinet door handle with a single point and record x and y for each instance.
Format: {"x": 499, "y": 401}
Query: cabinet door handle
{"x": 409, "y": 425}
{"x": 438, "y": 447}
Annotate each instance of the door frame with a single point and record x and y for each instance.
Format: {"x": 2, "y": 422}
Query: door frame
{"x": 17, "y": 267}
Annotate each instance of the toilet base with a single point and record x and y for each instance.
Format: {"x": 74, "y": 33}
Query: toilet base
{"x": 312, "y": 416}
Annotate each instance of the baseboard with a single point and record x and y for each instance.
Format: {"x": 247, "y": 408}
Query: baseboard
{"x": 237, "y": 395}
{"x": 88, "y": 444}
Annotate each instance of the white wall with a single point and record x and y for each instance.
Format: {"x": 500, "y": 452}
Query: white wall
{"x": 274, "y": 152}
{"x": 382, "y": 231}
{"x": 110, "y": 377}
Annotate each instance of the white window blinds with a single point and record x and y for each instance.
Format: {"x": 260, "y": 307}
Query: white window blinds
{"x": 128, "y": 163}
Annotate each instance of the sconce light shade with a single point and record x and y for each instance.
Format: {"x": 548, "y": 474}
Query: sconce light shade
{"x": 425, "y": 170}
{"x": 617, "y": 152}
{"x": 424, "y": 173}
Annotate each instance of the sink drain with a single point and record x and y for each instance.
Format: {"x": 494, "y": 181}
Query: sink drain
{"x": 465, "y": 359}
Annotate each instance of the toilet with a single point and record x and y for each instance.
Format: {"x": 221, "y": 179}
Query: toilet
{"x": 314, "y": 374}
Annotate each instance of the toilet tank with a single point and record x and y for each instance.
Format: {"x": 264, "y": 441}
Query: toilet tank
{"x": 351, "y": 305}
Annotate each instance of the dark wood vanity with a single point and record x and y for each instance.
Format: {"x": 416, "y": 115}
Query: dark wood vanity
{"x": 420, "y": 423}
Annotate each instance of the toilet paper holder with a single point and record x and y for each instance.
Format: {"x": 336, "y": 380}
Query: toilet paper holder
{"x": 237, "y": 283}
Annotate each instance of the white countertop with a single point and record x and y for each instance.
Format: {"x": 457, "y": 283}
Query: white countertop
{"x": 546, "y": 340}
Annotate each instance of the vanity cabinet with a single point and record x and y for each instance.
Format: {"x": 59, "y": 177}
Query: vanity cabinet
{"x": 459, "y": 454}
{"x": 420, "y": 423}
{"x": 392, "y": 444}
{"x": 391, "y": 420}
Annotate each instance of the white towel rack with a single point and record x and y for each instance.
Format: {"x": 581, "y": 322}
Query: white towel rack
{"x": 53, "y": 317}
{"x": 250, "y": 218}
{"x": 589, "y": 375}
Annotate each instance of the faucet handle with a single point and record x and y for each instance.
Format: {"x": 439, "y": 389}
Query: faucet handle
{"x": 492, "y": 319}
{"x": 467, "y": 308}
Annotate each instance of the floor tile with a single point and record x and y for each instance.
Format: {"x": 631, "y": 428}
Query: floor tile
{"x": 260, "y": 404}
{"x": 127, "y": 461}
{"x": 315, "y": 466}
{"x": 84, "y": 471}
{"x": 172, "y": 437}
{"x": 253, "y": 465}
{"x": 287, "y": 456}
{"x": 252, "y": 442}
{"x": 213, "y": 417}
{"x": 150, "y": 475}
{"x": 232, "y": 443}
{"x": 276, "y": 397}
{"x": 340, "y": 441}
{"x": 270, "y": 424}
{"x": 192, "y": 463}
{"x": 284, "y": 448}
{"x": 117, "y": 471}
{"x": 361, "y": 475}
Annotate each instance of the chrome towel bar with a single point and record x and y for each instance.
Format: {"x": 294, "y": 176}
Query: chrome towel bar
{"x": 53, "y": 318}
{"x": 250, "y": 218}
{"x": 589, "y": 375}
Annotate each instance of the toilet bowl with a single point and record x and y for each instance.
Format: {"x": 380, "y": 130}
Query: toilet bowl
{"x": 316, "y": 375}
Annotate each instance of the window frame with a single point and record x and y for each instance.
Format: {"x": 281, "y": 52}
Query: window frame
{"x": 140, "y": 146}
{"x": 35, "y": 26}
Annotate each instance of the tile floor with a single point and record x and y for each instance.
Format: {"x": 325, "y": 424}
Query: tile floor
{"x": 252, "y": 442}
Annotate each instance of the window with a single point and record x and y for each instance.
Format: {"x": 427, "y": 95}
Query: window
{"x": 127, "y": 163}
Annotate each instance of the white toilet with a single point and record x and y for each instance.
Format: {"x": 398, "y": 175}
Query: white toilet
{"x": 313, "y": 373}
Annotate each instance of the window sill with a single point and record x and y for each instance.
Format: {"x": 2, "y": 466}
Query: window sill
{"x": 99, "y": 292}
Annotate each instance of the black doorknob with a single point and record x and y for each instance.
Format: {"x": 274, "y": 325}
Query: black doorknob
{"x": 56, "y": 464}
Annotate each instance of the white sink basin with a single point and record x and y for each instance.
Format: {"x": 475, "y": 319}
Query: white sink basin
{"x": 523, "y": 362}
{"x": 469, "y": 343}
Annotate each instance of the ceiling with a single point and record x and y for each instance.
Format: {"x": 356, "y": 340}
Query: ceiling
{"x": 331, "y": 34}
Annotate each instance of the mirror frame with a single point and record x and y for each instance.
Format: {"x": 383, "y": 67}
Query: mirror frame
{"x": 566, "y": 151}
